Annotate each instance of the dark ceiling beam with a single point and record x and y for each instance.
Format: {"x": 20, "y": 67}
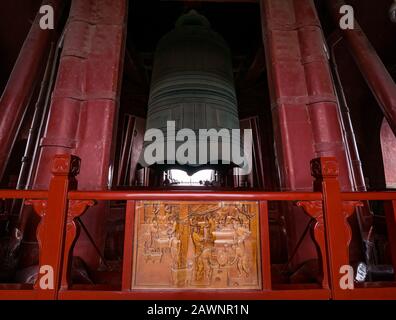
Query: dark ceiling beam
{"x": 370, "y": 64}
{"x": 252, "y": 74}
{"x": 221, "y": 1}
{"x": 135, "y": 69}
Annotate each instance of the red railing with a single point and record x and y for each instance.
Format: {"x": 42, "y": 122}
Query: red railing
{"x": 61, "y": 206}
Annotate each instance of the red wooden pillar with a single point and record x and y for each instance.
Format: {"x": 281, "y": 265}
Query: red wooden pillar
{"x": 372, "y": 68}
{"x": 304, "y": 106}
{"x": 22, "y": 81}
{"x": 321, "y": 101}
{"x": 83, "y": 112}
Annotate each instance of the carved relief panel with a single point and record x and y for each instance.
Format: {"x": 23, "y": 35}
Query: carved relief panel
{"x": 196, "y": 245}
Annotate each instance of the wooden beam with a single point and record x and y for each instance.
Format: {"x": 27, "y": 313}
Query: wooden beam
{"x": 222, "y": 1}
{"x": 135, "y": 67}
{"x": 249, "y": 78}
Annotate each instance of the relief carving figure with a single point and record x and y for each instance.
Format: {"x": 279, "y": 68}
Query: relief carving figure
{"x": 213, "y": 245}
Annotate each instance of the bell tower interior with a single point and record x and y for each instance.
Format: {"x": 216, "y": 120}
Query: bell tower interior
{"x": 85, "y": 103}
{"x": 247, "y": 82}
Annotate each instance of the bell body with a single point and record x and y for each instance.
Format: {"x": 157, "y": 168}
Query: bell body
{"x": 192, "y": 85}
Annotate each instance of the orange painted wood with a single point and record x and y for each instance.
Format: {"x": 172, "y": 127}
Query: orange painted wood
{"x": 128, "y": 246}
{"x": 360, "y": 196}
{"x": 309, "y": 294}
{"x": 63, "y": 206}
{"x": 315, "y": 210}
{"x": 21, "y": 295}
{"x": 75, "y": 209}
{"x": 22, "y": 194}
{"x": 384, "y": 293}
{"x": 325, "y": 171}
{"x": 53, "y": 213}
{"x": 390, "y": 213}
{"x": 265, "y": 247}
{"x": 194, "y": 195}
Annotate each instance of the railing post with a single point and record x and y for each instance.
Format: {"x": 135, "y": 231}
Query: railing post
{"x": 51, "y": 229}
{"x": 337, "y": 230}
{"x": 390, "y": 213}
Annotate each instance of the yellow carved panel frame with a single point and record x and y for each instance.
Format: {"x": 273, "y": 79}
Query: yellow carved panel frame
{"x": 196, "y": 245}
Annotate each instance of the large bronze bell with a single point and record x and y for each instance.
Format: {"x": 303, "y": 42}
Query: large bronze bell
{"x": 192, "y": 85}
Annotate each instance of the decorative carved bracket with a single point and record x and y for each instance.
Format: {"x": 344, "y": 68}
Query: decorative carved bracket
{"x": 39, "y": 206}
{"x": 75, "y": 210}
{"x": 78, "y": 207}
{"x": 348, "y": 208}
{"x": 315, "y": 210}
